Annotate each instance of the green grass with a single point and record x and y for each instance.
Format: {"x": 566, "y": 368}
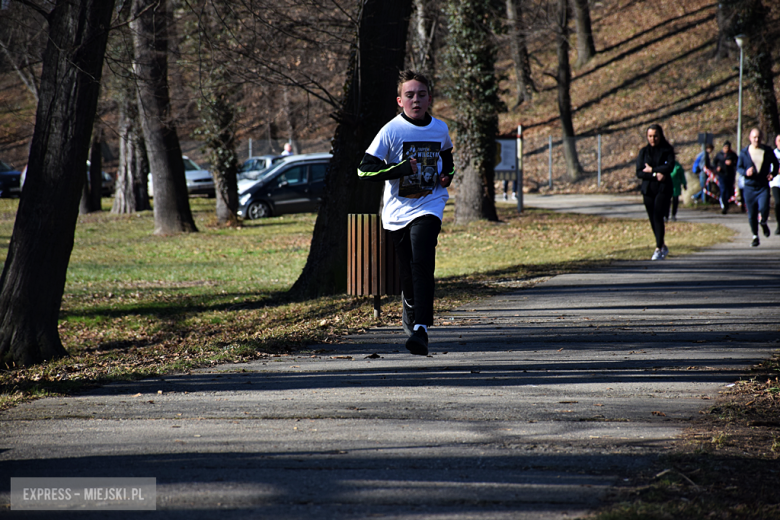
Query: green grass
{"x": 136, "y": 304}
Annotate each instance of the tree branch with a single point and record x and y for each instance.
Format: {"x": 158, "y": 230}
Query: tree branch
{"x": 28, "y": 82}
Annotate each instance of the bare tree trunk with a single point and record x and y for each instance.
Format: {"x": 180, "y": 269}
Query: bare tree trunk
{"x": 422, "y": 37}
{"x": 88, "y": 204}
{"x": 760, "y": 67}
{"x": 519, "y": 49}
{"x": 218, "y": 116}
{"x": 124, "y": 194}
{"x": 24, "y": 71}
{"x": 369, "y": 103}
{"x": 226, "y": 187}
{"x": 141, "y": 170}
{"x": 470, "y": 65}
{"x": 33, "y": 279}
{"x": 150, "y": 34}
{"x": 217, "y": 107}
{"x": 761, "y": 29}
{"x": 93, "y": 188}
{"x": 573, "y": 168}
{"x": 586, "y": 49}
{"x": 726, "y": 47}
{"x": 763, "y": 35}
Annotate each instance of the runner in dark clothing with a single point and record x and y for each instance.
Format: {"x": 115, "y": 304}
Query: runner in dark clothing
{"x": 725, "y": 164}
{"x": 654, "y": 166}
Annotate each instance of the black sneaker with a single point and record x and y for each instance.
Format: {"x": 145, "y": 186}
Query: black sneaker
{"x": 723, "y": 211}
{"x": 755, "y": 242}
{"x": 417, "y": 343}
{"x": 407, "y": 316}
{"x": 765, "y": 228}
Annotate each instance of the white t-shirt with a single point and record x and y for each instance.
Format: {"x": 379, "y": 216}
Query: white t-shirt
{"x": 416, "y": 195}
{"x": 775, "y": 182}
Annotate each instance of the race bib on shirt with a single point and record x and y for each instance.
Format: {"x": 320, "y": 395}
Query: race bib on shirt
{"x": 422, "y": 183}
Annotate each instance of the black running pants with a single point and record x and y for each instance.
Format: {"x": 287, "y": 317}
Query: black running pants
{"x": 415, "y": 247}
{"x": 657, "y": 206}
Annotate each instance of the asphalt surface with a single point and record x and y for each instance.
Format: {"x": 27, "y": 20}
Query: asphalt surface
{"x": 532, "y": 405}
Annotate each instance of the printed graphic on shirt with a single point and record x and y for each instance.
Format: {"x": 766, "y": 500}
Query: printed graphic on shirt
{"x": 424, "y": 181}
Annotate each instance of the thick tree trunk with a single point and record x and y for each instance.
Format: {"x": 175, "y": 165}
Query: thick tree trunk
{"x": 761, "y": 29}
{"x": 470, "y": 62}
{"x": 124, "y": 194}
{"x": 519, "y": 49}
{"x": 369, "y": 103}
{"x": 130, "y": 191}
{"x": 573, "y": 167}
{"x": 468, "y": 205}
{"x": 33, "y": 279}
{"x": 226, "y": 187}
{"x": 586, "y": 49}
{"x": 764, "y": 89}
{"x": 150, "y": 34}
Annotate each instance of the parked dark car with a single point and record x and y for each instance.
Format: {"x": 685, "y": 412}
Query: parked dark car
{"x": 10, "y": 183}
{"x": 292, "y": 185}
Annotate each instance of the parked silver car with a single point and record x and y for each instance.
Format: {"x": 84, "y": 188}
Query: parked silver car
{"x": 199, "y": 181}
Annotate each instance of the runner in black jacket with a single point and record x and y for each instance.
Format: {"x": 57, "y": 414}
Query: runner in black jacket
{"x": 654, "y": 166}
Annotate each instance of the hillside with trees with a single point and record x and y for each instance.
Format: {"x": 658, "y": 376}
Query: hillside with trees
{"x": 661, "y": 61}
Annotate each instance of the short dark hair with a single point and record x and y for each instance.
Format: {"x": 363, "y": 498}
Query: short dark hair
{"x": 727, "y": 143}
{"x": 409, "y": 75}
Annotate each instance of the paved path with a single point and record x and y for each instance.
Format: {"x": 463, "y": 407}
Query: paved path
{"x": 532, "y": 405}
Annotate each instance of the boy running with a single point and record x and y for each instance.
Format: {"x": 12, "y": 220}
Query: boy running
{"x": 413, "y": 155}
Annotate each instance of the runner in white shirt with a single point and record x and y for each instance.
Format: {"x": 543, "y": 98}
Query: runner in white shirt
{"x": 412, "y": 154}
{"x": 774, "y": 184}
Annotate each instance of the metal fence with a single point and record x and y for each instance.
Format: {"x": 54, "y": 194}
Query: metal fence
{"x": 544, "y": 162}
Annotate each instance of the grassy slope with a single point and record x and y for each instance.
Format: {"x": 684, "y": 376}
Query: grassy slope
{"x": 137, "y": 304}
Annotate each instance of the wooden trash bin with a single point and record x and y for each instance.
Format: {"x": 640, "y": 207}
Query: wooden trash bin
{"x": 372, "y": 267}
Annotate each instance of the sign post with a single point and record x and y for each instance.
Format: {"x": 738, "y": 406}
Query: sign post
{"x": 519, "y": 169}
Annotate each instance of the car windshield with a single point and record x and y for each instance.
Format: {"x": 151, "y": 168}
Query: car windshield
{"x": 252, "y": 169}
{"x": 4, "y": 167}
{"x": 263, "y": 174}
{"x": 190, "y": 165}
